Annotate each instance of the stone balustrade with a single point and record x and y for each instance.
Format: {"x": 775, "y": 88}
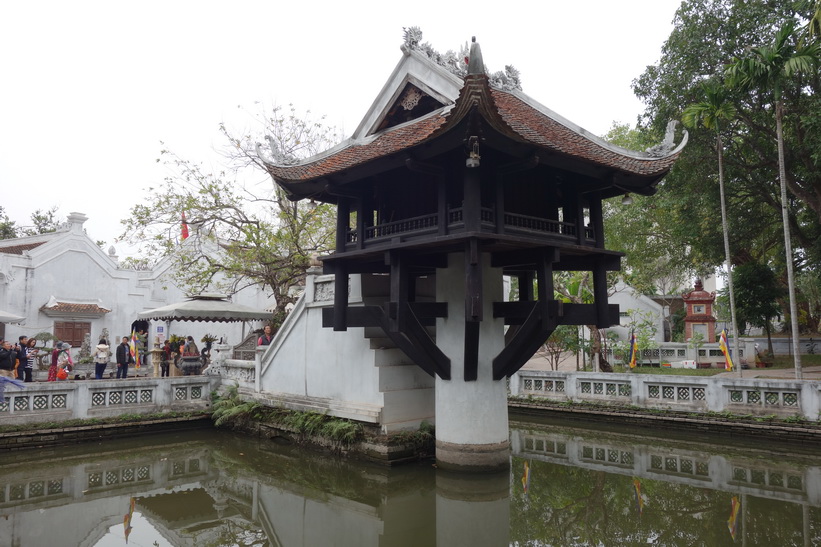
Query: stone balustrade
{"x": 737, "y": 471}
{"x": 755, "y": 396}
{"x": 243, "y": 372}
{"x": 81, "y": 399}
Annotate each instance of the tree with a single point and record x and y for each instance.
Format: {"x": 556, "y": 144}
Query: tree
{"x": 242, "y": 236}
{"x": 43, "y": 222}
{"x": 768, "y": 68}
{"x": 656, "y": 260}
{"x": 643, "y": 324}
{"x": 8, "y": 228}
{"x": 814, "y": 24}
{"x": 757, "y": 297}
{"x": 565, "y": 339}
{"x": 707, "y": 35}
{"x": 715, "y": 109}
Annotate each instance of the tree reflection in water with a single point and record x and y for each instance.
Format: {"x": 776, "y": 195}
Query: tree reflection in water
{"x": 210, "y": 488}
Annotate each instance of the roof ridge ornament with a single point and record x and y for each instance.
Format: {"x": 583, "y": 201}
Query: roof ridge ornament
{"x": 475, "y": 63}
{"x": 462, "y": 63}
{"x": 667, "y": 145}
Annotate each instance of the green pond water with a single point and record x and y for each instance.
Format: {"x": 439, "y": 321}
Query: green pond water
{"x": 568, "y": 484}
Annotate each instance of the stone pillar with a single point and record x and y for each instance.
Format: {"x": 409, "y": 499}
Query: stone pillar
{"x": 156, "y": 358}
{"x": 471, "y": 416}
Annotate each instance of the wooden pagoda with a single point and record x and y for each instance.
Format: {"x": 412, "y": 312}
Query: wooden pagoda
{"x": 445, "y": 164}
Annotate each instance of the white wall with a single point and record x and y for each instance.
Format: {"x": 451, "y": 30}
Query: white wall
{"x": 629, "y": 299}
{"x": 71, "y": 267}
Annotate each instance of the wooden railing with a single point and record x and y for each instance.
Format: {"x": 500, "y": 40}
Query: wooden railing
{"x": 427, "y": 224}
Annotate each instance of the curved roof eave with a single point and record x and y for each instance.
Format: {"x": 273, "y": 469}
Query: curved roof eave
{"x": 588, "y": 135}
{"x": 512, "y": 112}
{"x": 352, "y": 153}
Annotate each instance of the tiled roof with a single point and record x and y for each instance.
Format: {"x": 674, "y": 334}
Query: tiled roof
{"x": 546, "y": 132}
{"x": 389, "y": 142}
{"x": 19, "y": 249}
{"x": 501, "y": 109}
{"x": 71, "y": 307}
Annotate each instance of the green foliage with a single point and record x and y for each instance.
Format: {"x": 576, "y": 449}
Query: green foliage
{"x": 809, "y": 284}
{"x": 565, "y": 339}
{"x": 706, "y": 35}
{"x": 42, "y": 222}
{"x": 677, "y": 325}
{"x": 696, "y": 342}
{"x": 230, "y": 409}
{"x": 643, "y": 324}
{"x": 8, "y": 228}
{"x": 239, "y": 235}
{"x": 654, "y": 262}
{"x": 757, "y": 294}
{"x": 421, "y": 439}
{"x": 314, "y": 424}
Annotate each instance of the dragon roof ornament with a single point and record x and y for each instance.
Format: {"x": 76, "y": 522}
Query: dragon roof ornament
{"x": 457, "y": 62}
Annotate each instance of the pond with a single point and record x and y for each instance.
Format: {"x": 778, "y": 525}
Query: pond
{"x": 569, "y": 484}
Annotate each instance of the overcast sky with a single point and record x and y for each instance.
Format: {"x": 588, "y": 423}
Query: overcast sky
{"x": 90, "y": 89}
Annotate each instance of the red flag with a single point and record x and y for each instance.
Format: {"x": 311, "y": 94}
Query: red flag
{"x": 184, "y": 226}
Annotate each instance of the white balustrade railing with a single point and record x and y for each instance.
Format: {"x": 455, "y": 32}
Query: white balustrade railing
{"x": 243, "y": 372}
{"x": 80, "y": 399}
{"x": 664, "y": 392}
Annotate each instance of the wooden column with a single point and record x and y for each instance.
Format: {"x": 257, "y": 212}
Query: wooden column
{"x": 472, "y": 204}
{"x": 597, "y": 219}
{"x": 343, "y": 217}
{"x": 343, "y": 220}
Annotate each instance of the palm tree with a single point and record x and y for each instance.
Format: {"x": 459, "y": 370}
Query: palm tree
{"x": 814, "y": 25}
{"x": 770, "y": 67}
{"x": 710, "y": 112}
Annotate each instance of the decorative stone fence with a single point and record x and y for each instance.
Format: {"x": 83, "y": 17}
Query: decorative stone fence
{"x": 42, "y": 402}
{"x": 737, "y": 471}
{"x": 245, "y": 373}
{"x": 757, "y": 396}
{"x": 670, "y": 352}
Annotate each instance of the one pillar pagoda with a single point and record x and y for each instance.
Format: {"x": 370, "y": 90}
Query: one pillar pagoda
{"x": 463, "y": 180}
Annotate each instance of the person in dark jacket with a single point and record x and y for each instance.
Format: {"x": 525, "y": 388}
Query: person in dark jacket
{"x": 7, "y": 357}
{"x": 22, "y": 356}
{"x": 167, "y": 358}
{"x": 124, "y": 358}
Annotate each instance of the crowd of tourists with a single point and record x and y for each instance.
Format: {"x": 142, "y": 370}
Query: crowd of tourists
{"x": 18, "y": 359}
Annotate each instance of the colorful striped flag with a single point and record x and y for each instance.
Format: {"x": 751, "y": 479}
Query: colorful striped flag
{"x": 184, "y": 227}
{"x": 634, "y": 350}
{"x": 134, "y": 348}
{"x": 127, "y": 518}
{"x": 725, "y": 349}
{"x": 639, "y": 500}
{"x": 732, "y": 522}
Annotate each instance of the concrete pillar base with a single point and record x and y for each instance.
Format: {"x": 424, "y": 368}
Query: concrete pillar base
{"x": 473, "y": 457}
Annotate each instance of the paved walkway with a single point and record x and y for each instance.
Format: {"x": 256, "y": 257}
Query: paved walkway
{"x": 568, "y": 364}
{"x": 809, "y": 373}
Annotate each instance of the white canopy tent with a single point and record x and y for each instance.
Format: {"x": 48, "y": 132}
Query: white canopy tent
{"x": 8, "y": 317}
{"x": 205, "y": 307}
